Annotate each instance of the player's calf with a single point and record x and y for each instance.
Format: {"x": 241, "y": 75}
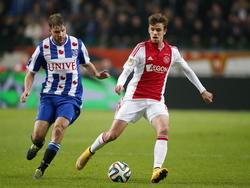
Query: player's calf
{"x": 34, "y": 148}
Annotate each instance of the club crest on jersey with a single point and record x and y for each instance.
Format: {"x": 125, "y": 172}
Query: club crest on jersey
{"x": 166, "y": 59}
{"x": 156, "y": 68}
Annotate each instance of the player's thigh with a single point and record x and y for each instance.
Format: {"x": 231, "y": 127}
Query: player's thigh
{"x": 155, "y": 109}
{"x": 161, "y": 124}
{"x": 68, "y": 111}
{"x": 130, "y": 111}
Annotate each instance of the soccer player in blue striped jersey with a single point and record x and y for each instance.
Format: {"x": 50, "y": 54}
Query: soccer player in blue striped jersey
{"x": 60, "y": 55}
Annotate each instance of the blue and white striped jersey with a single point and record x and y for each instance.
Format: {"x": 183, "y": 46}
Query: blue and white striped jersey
{"x": 61, "y": 64}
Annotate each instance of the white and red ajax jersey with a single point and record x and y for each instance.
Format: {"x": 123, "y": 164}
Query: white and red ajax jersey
{"x": 151, "y": 67}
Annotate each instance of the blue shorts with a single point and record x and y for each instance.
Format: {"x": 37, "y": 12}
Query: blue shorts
{"x": 54, "y": 106}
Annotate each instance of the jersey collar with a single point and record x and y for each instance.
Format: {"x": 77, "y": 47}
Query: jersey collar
{"x": 67, "y": 38}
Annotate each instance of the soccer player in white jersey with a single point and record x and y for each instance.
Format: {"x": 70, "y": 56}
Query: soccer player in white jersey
{"x": 150, "y": 61}
{"x": 60, "y": 55}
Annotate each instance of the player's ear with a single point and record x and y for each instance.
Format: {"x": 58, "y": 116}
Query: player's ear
{"x": 165, "y": 31}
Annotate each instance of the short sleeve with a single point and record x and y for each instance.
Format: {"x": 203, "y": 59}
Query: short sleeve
{"x": 35, "y": 61}
{"x": 83, "y": 53}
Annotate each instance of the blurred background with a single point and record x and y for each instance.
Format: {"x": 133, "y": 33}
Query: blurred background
{"x": 212, "y": 35}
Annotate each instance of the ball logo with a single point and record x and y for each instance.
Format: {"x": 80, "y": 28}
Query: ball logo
{"x": 156, "y": 68}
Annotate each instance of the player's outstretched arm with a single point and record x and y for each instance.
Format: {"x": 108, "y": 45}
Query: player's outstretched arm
{"x": 100, "y": 75}
{"x": 121, "y": 80}
{"x": 28, "y": 81}
{"x": 207, "y": 97}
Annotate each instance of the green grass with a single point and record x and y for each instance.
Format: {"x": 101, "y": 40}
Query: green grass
{"x": 206, "y": 149}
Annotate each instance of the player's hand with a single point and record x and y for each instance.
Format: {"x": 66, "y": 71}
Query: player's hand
{"x": 207, "y": 97}
{"x": 119, "y": 89}
{"x": 24, "y": 95}
{"x": 102, "y": 75}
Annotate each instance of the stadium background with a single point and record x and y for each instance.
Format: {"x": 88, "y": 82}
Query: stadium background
{"x": 207, "y": 148}
{"x": 213, "y": 35}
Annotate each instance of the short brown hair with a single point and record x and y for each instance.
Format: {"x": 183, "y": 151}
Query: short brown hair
{"x": 158, "y": 18}
{"x": 55, "y": 20}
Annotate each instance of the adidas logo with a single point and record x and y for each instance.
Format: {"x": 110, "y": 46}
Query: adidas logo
{"x": 150, "y": 58}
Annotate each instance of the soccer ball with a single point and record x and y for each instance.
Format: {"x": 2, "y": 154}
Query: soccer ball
{"x": 119, "y": 172}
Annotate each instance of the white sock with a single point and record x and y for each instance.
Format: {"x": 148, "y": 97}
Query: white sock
{"x": 160, "y": 151}
{"x": 98, "y": 143}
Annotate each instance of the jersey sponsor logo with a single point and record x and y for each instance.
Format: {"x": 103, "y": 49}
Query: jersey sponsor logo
{"x": 156, "y": 68}
{"x": 61, "y": 66}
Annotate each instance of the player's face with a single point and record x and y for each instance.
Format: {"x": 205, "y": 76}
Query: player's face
{"x": 157, "y": 33}
{"x": 58, "y": 34}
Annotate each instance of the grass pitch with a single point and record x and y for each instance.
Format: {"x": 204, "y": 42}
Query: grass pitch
{"x": 206, "y": 149}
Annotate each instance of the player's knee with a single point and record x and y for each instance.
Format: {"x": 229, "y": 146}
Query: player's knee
{"x": 111, "y": 137}
{"x": 38, "y": 141}
{"x": 163, "y": 131}
{"x": 37, "y": 138}
{"x": 58, "y": 130}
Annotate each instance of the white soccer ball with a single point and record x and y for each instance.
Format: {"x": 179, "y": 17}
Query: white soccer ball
{"x": 119, "y": 172}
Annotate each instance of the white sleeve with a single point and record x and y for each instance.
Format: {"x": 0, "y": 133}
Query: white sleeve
{"x": 189, "y": 73}
{"x": 123, "y": 77}
{"x": 128, "y": 67}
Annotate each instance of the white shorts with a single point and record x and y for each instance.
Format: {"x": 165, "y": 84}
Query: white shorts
{"x": 133, "y": 109}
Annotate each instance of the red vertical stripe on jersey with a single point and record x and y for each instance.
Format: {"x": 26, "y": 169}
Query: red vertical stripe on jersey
{"x": 157, "y": 63}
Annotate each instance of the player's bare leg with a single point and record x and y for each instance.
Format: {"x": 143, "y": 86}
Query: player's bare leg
{"x": 160, "y": 123}
{"x": 114, "y": 132}
{"x": 37, "y": 138}
{"x": 61, "y": 124}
